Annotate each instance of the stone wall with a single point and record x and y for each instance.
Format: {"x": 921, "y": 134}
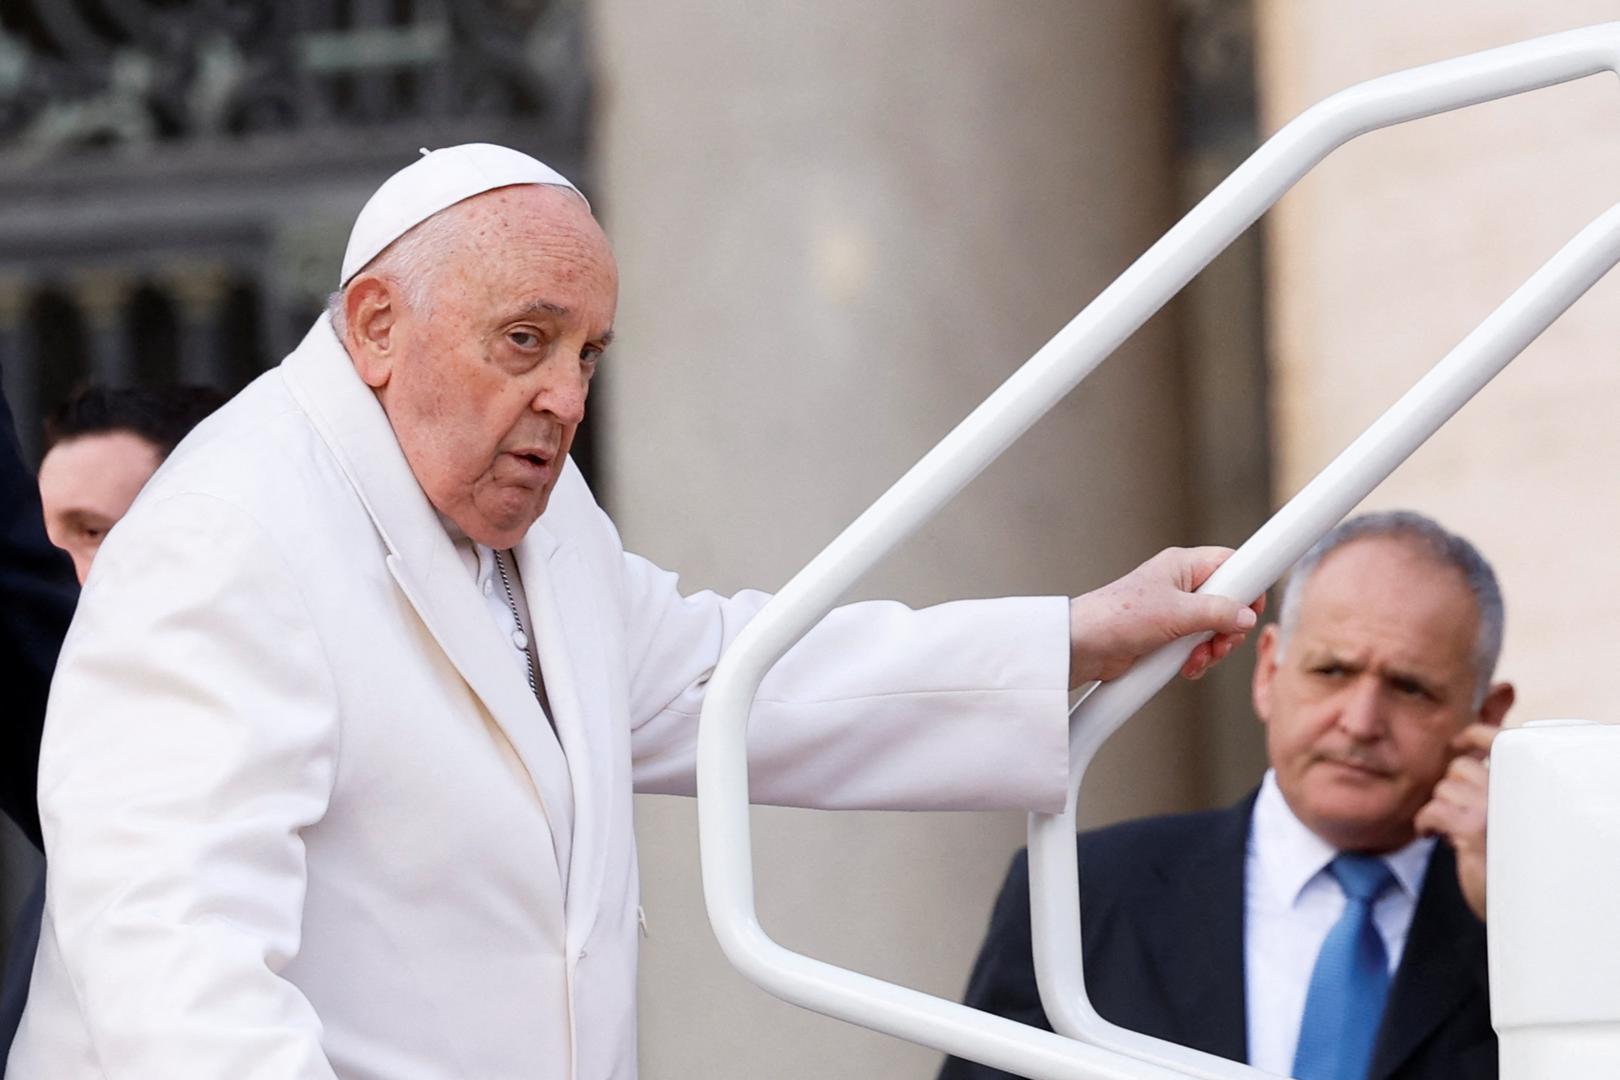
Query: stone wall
{"x": 1402, "y": 242}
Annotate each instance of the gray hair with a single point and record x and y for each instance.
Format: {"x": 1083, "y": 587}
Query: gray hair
{"x": 1429, "y": 537}
{"x": 410, "y": 262}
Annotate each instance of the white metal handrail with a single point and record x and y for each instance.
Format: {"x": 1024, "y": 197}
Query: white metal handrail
{"x": 1097, "y": 1049}
{"x": 1054, "y": 885}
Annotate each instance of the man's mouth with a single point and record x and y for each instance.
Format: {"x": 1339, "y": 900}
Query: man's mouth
{"x": 534, "y": 464}
{"x": 1364, "y": 768}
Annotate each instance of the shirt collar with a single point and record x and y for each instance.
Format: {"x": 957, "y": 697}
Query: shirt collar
{"x": 1289, "y": 855}
{"x": 471, "y": 554}
{"x": 1410, "y": 863}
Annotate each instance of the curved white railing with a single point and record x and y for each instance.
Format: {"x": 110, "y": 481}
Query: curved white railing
{"x": 1095, "y": 1049}
{"x": 1054, "y": 885}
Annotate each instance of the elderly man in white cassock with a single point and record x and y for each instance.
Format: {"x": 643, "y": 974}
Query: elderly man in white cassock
{"x": 337, "y": 771}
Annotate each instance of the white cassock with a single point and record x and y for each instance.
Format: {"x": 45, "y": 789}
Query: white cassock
{"x": 293, "y": 784}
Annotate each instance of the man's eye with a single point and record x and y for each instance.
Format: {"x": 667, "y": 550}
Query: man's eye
{"x": 1409, "y": 688}
{"x": 524, "y": 339}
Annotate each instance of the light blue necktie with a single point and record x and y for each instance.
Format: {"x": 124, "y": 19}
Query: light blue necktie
{"x": 1350, "y": 982}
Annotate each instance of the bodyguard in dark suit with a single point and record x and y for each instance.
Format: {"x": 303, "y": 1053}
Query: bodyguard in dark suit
{"x": 1310, "y": 930}
{"x": 37, "y": 594}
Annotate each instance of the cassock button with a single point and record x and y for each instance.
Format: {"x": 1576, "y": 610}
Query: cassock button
{"x": 520, "y": 639}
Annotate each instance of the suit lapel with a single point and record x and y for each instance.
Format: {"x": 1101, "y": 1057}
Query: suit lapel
{"x": 553, "y": 581}
{"x": 1443, "y": 965}
{"x": 421, "y": 557}
{"x": 1196, "y": 937}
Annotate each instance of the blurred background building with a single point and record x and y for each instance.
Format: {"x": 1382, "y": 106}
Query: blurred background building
{"x": 839, "y": 226}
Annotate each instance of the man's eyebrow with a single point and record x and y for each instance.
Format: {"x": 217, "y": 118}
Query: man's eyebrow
{"x": 540, "y": 307}
{"x": 547, "y": 307}
{"x": 1327, "y": 654}
{"x": 1407, "y": 675}
{"x": 81, "y": 517}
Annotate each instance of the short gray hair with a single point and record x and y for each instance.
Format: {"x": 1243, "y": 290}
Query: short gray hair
{"x": 1425, "y": 535}
{"x": 409, "y": 262}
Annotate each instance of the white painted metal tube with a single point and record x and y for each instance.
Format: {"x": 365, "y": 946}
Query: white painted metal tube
{"x": 1039, "y": 384}
{"x": 1054, "y": 886}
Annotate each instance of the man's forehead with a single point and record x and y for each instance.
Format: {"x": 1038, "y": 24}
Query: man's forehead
{"x": 529, "y": 198}
{"x": 1364, "y": 567}
{"x": 526, "y": 225}
{"x": 96, "y": 450}
{"x": 1352, "y": 609}
{"x": 1401, "y": 611}
{"x": 497, "y": 269}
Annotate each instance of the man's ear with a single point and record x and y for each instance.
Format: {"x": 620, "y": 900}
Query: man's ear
{"x": 1498, "y": 700}
{"x": 371, "y": 311}
{"x": 1268, "y": 654}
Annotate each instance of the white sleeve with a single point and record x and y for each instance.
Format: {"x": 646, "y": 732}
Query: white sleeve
{"x": 958, "y": 706}
{"x": 192, "y": 733}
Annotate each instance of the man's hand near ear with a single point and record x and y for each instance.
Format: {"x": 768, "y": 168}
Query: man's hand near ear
{"x": 1456, "y": 812}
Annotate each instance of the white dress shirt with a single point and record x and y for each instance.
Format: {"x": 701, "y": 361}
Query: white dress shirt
{"x": 1290, "y": 902}
{"x": 480, "y": 562}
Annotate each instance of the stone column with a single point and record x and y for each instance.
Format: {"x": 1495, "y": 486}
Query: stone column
{"x": 1222, "y": 317}
{"x": 103, "y": 297}
{"x": 200, "y": 292}
{"x": 840, "y": 225}
{"x": 1399, "y": 245}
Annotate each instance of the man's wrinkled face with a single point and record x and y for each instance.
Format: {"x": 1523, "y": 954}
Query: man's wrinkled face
{"x": 1361, "y": 702}
{"x": 86, "y": 484}
{"x": 485, "y": 382}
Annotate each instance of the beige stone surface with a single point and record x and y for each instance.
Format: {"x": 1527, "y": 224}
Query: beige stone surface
{"x": 841, "y": 225}
{"x": 1395, "y": 248}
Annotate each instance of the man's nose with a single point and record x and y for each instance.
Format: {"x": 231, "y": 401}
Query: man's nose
{"x": 567, "y": 382}
{"x": 1361, "y": 710}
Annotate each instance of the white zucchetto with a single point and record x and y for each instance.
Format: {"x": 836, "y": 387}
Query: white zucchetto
{"x": 439, "y": 178}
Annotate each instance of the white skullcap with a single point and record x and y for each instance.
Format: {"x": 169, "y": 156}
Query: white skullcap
{"x": 439, "y": 178}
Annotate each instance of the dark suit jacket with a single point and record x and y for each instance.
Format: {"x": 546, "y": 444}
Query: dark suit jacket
{"x": 1162, "y": 934}
{"x": 37, "y": 594}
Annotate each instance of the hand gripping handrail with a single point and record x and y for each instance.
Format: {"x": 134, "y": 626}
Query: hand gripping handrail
{"x": 1095, "y": 1049}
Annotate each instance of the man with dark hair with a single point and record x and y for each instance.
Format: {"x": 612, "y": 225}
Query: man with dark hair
{"x": 36, "y": 603}
{"x": 101, "y": 447}
{"x": 1317, "y": 929}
